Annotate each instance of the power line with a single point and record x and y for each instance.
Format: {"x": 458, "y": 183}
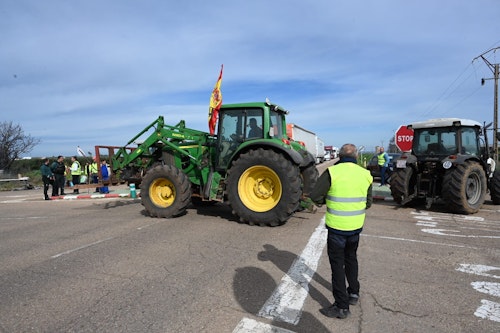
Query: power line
{"x": 440, "y": 99}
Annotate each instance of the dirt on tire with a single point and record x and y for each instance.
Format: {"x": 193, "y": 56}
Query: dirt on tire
{"x": 464, "y": 188}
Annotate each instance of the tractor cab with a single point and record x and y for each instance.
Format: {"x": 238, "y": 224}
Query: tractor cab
{"x": 242, "y": 123}
{"x": 453, "y": 138}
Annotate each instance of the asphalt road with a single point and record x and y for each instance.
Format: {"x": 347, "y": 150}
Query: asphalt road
{"x": 103, "y": 266}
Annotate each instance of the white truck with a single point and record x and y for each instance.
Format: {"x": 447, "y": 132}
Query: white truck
{"x": 311, "y": 141}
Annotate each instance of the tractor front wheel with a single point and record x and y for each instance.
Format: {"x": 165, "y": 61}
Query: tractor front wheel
{"x": 263, "y": 187}
{"x": 464, "y": 188}
{"x": 165, "y": 191}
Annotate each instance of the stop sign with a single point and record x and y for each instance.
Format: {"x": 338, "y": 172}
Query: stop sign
{"x": 404, "y": 138}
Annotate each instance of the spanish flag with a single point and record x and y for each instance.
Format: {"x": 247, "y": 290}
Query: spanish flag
{"x": 215, "y": 103}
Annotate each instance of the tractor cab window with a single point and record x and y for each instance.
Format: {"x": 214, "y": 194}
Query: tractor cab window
{"x": 236, "y": 126}
{"x": 435, "y": 141}
{"x": 469, "y": 141}
{"x": 254, "y": 123}
{"x": 276, "y": 125}
{"x": 231, "y": 129}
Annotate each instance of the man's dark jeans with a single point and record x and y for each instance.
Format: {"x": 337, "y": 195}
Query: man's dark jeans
{"x": 58, "y": 184}
{"x": 383, "y": 174}
{"x": 344, "y": 264}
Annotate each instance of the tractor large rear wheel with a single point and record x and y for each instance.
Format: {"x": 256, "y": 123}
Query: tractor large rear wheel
{"x": 403, "y": 185}
{"x": 309, "y": 178}
{"x": 495, "y": 188}
{"x": 263, "y": 187}
{"x": 165, "y": 191}
{"x": 464, "y": 188}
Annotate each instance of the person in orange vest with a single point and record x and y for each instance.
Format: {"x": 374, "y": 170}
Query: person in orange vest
{"x": 346, "y": 189}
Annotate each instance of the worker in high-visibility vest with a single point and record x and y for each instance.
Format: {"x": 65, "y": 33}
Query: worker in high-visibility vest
{"x": 383, "y": 163}
{"x": 346, "y": 188}
{"x": 76, "y": 171}
{"x": 94, "y": 172}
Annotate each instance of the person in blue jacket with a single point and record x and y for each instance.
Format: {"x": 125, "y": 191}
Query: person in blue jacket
{"x": 105, "y": 176}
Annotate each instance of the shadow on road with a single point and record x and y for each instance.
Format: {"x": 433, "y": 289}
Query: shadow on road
{"x": 252, "y": 299}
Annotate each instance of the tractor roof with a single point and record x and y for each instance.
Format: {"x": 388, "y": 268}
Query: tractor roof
{"x": 267, "y": 103}
{"x": 443, "y": 122}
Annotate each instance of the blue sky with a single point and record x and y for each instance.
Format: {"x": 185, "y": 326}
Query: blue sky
{"x": 85, "y": 73}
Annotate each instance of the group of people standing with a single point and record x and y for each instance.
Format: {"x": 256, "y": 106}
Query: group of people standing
{"x": 58, "y": 174}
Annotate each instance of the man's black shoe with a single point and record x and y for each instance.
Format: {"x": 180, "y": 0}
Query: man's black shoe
{"x": 335, "y": 312}
{"x": 353, "y": 299}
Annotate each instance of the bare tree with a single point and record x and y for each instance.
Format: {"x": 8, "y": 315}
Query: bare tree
{"x": 392, "y": 145}
{"x": 14, "y": 143}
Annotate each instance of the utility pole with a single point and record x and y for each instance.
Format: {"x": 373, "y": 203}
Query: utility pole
{"x": 495, "y": 69}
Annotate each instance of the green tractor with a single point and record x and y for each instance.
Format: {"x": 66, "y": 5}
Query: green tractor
{"x": 449, "y": 161}
{"x": 250, "y": 163}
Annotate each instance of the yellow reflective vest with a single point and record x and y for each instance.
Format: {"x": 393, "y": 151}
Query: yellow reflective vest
{"x": 76, "y": 170}
{"x": 381, "y": 159}
{"x": 346, "y": 198}
{"x": 93, "y": 168}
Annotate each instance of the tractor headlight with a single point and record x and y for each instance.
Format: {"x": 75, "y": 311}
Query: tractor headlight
{"x": 447, "y": 164}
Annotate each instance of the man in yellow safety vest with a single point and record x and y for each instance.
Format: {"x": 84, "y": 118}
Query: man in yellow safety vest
{"x": 346, "y": 188}
{"x": 76, "y": 171}
{"x": 94, "y": 172}
{"x": 383, "y": 163}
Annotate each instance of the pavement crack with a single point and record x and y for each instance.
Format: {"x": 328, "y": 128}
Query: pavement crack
{"x": 388, "y": 309}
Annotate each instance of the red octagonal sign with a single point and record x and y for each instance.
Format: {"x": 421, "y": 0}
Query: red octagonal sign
{"x": 404, "y": 138}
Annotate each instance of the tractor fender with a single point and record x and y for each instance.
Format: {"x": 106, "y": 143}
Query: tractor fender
{"x": 461, "y": 159}
{"x": 297, "y": 158}
{"x": 410, "y": 160}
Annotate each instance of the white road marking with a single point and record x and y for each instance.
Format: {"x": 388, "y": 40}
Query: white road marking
{"x": 444, "y": 216}
{"x": 488, "y": 310}
{"x": 23, "y": 218}
{"x": 479, "y": 270}
{"x": 419, "y": 241}
{"x": 490, "y": 288}
{"x": 148, "y": 225}
{"x": 285, "y": 304}
{"x": 247, "y": 325}
{"x": 447, "y": 232}
{"x": 427, "y": 224}
{"x": 80, "y": 248}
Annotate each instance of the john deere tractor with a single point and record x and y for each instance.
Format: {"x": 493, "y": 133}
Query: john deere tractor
{"x": 262, "y": 174}
{"x": 449, "y": 161}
